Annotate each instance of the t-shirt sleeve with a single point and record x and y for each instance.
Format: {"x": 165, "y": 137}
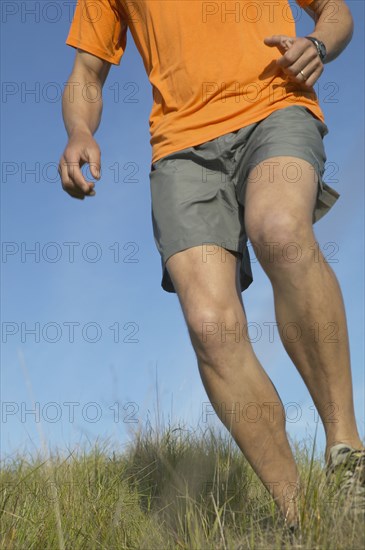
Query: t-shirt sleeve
{"x": 304, "y": 3}
{"x": 99, "y": 28}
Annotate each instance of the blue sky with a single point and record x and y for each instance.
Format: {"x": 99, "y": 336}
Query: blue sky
{"x": 104, "y": 331}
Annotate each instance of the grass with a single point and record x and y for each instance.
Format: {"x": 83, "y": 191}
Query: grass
{"x": 171, "y": 488}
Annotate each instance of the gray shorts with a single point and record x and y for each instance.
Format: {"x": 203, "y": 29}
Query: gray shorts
{"x": 197, "y": 193}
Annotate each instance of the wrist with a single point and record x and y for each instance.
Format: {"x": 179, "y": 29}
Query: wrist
{"x": 319, "y": 45}
{"x": 79, "y": 130}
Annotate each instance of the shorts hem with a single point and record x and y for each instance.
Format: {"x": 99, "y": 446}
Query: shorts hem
{"x": 182, "y": 244}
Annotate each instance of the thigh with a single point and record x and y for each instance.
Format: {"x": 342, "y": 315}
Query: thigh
{"x": 281, "y": 165}
{"x": 281, "y": 186}
{"x": 206, "y": 281}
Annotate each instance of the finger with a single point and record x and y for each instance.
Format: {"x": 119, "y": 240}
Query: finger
{"x": 306, "y": 72}
{"x": 290, "y": 57}
{"x": 307, "y": 76}
{"x": 65, "y": 180}
{"x": 94, "y": 162}
{"x": 302, "y": 52}
{"x": 305, "y": 68}
{"x": 80, "y": 194}
{"x": 276, "y": 39}
{"x": 67, "y": 184}
{"x": 77, "y": 177}
{"x": 313, "y": 77}
{"x": 281, "y": 41}
{"x": 292, "y": 64}
{"x": 92, "y": 156}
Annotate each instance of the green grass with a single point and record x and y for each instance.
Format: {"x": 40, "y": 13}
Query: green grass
{"x": 175, "y": 488}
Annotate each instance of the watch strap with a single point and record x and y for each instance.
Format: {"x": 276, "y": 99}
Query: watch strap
{"x": 317, "y": 44}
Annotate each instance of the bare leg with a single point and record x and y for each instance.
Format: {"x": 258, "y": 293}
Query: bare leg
{"x": 230, "y": 371}
{"x": 308, "y": 300}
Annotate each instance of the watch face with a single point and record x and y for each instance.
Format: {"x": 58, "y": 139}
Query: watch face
{"x": 322, "y": 50}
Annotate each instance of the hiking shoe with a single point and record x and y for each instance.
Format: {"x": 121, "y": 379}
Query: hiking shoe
{"x": 345, "y": 470}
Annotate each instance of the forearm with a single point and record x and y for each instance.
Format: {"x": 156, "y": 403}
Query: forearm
{"x": 334, "y": 27}
{"x": 82, "y": 103}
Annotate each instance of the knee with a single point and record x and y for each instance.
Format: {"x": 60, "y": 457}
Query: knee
{"x": 213, "y": 331}
{"x": 280, "y": 239}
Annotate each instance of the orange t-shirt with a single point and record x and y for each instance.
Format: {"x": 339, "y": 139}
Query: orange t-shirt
{"x": 210, "y": 71}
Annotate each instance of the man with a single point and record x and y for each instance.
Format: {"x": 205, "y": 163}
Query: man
{"x": 237, "y": 154}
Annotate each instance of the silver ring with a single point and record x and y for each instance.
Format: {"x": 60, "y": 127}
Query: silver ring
{"x": 303, "y": 75}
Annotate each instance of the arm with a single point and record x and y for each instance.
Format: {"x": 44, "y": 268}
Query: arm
{"x": 81, "y": 109}
{"x": 333, "y": 25}
{"x": 300, "y": 60}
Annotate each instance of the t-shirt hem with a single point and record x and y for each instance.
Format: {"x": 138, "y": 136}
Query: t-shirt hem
{"x": 227, "y": 130}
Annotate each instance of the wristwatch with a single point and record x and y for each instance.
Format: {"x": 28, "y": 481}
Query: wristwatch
{"x": 321, "y": 48}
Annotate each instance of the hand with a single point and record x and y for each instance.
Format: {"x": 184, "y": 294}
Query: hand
{"x": 81, "y": 148}
{"x": 298, "y": 54}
